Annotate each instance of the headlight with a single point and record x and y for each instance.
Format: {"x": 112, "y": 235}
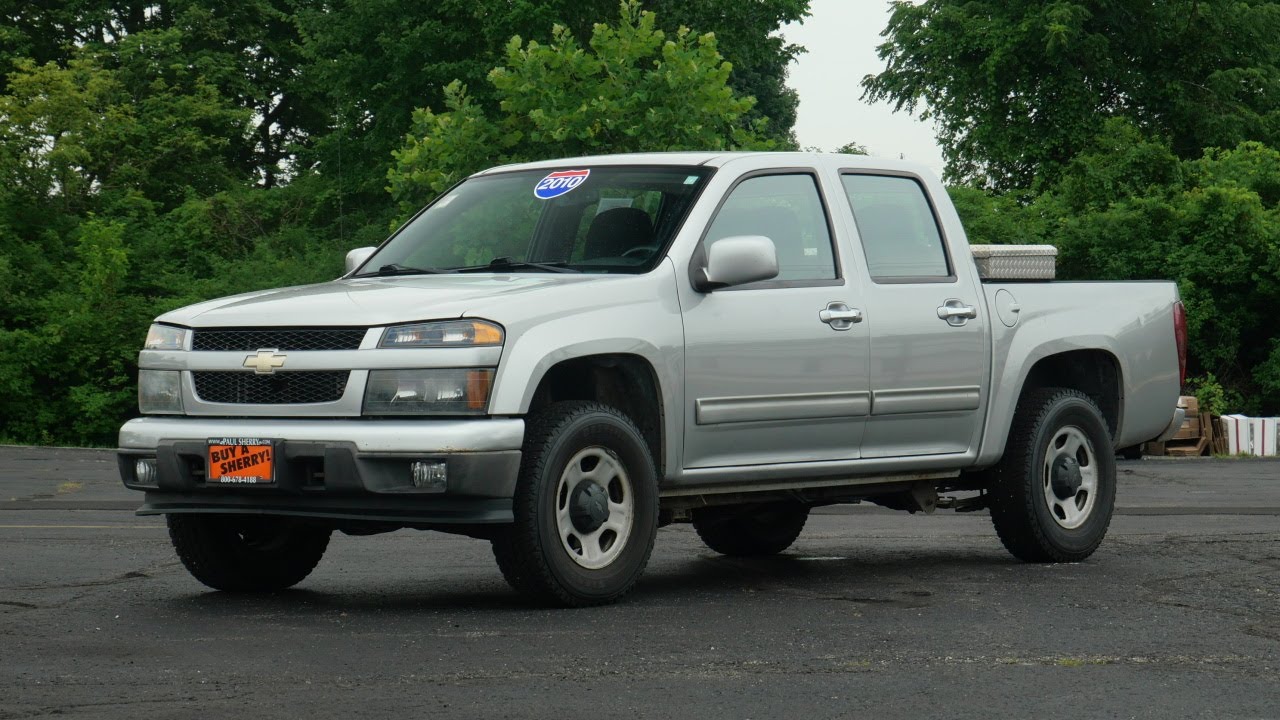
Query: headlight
{"x": 166, "y": 337}
{"x": 447, "y": 333}
{"x": 159, "y": 392}
{"x": 439, "y": 391}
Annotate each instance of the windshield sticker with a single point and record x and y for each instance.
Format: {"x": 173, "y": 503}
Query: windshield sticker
{"x": 558, "y": 183}
{"x": 611, "y": 203}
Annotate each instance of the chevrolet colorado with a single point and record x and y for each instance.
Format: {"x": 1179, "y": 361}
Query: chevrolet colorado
{"x": 561, "y": 357}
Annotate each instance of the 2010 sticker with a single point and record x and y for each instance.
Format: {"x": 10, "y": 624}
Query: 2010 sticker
{"x": 558, "y": 183}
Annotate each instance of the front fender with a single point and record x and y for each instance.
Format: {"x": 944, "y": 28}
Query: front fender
{"x": 634, "y": 315}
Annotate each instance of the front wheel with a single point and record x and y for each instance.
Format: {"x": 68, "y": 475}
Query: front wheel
{"x": 585, "y": 507}
{"x": 249, "y": 553}
{"x": 1054, "y": 490}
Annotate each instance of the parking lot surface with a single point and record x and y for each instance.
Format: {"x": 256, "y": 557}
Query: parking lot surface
{"x": 871, "y": 614}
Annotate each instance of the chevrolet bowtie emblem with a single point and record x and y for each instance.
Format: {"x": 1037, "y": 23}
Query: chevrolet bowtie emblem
{"x": 265, "y": 362}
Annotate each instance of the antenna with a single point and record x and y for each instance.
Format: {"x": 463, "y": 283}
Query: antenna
{"x": 342, "y": 228}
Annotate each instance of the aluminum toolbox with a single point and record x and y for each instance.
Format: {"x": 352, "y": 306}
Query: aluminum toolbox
{"x": 1015, "y": 262}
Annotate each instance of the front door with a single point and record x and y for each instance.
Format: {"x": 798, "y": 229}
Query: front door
{"x": 776, "y": 371}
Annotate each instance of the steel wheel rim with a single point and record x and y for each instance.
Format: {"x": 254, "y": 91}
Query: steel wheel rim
{"x": 1072, "y": 511}
{"x": 594, "y": 548}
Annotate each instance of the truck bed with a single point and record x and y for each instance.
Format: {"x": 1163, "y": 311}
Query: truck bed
{"x": 1130, "y": 321}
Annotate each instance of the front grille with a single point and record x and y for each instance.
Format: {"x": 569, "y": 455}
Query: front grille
{"x": 229, "y": 339}
{"x": 281, "y": 388}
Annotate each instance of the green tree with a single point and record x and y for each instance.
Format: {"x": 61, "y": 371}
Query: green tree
{"x": 635, "y": 88}
{"x": 1019, "y": 88}
{"x": 746, "y": 34}
{"x": 157, "y": 154}
{"x": 1000, "y": 219}
{"x": 371, "y": 63}
{"x": 1127, "y": 208}
{"x": 248, "y": 52}
{"x": 852, "y": 148}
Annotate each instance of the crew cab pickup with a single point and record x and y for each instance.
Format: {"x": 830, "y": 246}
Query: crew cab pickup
{"x": 562, "y": 357}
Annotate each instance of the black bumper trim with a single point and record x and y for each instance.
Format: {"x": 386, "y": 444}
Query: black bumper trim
{"x": 433, "y": 511}
{"x": 324, "y": 470}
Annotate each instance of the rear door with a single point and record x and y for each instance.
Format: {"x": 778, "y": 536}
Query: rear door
{"x": 926, "y": 322}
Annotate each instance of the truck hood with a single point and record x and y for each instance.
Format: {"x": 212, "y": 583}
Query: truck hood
{"x": 371, "y": 301}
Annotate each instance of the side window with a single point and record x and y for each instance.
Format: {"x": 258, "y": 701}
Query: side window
{"x": 899, "y": 234}
{"x": 788, "y": 210}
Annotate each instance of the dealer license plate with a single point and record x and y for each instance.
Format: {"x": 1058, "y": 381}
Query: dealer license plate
{"x": 241, "y": 461}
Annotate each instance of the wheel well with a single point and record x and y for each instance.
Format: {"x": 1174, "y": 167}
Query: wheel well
{"x": 1095, "y": 373}
{"x": 626, "y": 382}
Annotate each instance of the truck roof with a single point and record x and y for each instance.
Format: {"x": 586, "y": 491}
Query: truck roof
{"x": 714, "y": 159}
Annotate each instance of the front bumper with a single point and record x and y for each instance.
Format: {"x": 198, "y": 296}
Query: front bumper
{"x": 352, "y": 470}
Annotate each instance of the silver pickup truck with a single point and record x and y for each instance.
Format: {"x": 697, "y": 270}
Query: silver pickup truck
{"x": 562, "y": 357}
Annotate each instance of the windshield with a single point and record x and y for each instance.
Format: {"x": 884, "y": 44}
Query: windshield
{"x": 591, "y": 220}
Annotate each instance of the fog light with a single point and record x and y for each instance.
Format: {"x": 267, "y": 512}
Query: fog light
{"x": 430, "y": 476}
{"x": 144, "y": 471}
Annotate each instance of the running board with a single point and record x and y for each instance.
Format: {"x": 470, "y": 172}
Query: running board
{"x": 754, "y": 487}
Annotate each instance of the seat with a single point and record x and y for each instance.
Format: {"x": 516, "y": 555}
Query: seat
{"x": 615, "y": 231}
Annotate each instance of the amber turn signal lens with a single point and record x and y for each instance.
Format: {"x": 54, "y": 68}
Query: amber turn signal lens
{"x": 478, "y": 384}
{"x": 485, "y": 333}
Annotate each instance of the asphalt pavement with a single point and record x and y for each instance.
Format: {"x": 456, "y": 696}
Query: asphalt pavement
{"x": 871, "y": 614}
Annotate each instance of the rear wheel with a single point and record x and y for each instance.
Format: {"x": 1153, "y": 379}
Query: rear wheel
{"x": 1053, "y": 493}
{"x": 765, "y": 530}
{"x": 586, "y": 507}
{"x": 247, "y": 553}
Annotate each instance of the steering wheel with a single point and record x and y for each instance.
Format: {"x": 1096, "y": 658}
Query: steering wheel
{"x": 641, "y": 251}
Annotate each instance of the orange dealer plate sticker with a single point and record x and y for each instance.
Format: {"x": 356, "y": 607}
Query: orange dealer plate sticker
{"x": 241, "y": 461}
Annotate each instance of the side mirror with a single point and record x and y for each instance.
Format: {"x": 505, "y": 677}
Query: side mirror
{"x": 356, "y": 258}
{"x": 736, "y": 261}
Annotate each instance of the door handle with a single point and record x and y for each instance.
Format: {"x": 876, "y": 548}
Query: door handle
{"x": 840, "y": 316}
{"x": 956, "y": 313}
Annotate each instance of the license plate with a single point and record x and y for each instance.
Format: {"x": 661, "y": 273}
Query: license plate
{"x": 241, "y": 461}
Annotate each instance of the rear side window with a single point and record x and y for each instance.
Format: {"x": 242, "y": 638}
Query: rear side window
{"x": 788, "y": 210}
{"x": 896, "y": 224}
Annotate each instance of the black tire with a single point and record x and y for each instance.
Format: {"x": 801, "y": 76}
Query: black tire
{"x": 1133, "y": 452}
{"x": 1036, "y": 512}
{"x": 766, "y": 530}
{"x": 534, "y": 557}
{"x": 247, "y": 553}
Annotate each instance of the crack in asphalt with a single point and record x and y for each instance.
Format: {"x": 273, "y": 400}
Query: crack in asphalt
{"x": 123, "y": 703}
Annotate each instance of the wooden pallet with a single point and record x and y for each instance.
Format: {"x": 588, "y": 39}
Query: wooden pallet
{"x": 1218, "y": 445}
{"x": 1185, "y": 444}
{"x": 1196, "y": 437}
{"x": 1186, "y": 448}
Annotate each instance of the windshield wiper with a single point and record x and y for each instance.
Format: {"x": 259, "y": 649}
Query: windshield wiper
{"x": 506, "y": 263}
{"x": 398, "y": 269}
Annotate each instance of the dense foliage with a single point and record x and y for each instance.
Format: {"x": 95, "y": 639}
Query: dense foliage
{"x": 1127, "y": 208}
{"x": 153, "y": 154}
{"x": 632, "y": 89}
{"x": 1140, "y": 138}
{"x": 1019, "y": 87}
{"x": 156, "y": 154}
